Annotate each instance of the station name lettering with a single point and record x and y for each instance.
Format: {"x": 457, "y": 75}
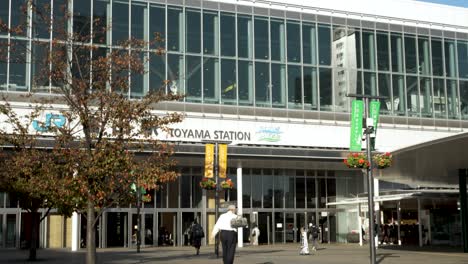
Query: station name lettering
{"x": 207, "y": 134}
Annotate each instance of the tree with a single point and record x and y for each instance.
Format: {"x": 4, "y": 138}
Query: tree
{"x": 106, "y": 134}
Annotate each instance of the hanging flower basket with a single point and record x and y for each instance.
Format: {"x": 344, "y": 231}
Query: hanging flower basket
{"x": 208, "y": 184}
{"x": 146, "y": 198}
{"x": 227, "y": 184}
{"x": 357, "y": 160}
{"x": 383, "y": 160}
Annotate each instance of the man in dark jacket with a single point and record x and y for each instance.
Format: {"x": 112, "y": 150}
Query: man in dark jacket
{"x": 197, "y": 234}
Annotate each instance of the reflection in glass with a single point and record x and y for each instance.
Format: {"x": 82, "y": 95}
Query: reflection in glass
{"x": 157, "y": 20}
{"x": 175, "y": 73}
{"x": 424, "y": 57}
{"x": 385, "y": 90}
{"x": 120, "y": 25}
{"x": 277, "y": 40}
{"x": 412, "y": 95}
{"x": 452, "y": 99}
{"x": 210, "y": 80}
{"x": 267, "y": 189}
{"x": 246, "y": 188}
{"x": 244, "y": 36}
{"x": 464, "y": 99}
{"x": 175, "y": 31}
{"x": 278, "y": 85}
{"x": 18, "y": 50}
{"x": 228, "y": 81}
{"x": 440, "y": 98}
{"x": 294, "y": 86}
{"x": 370, "y": 83}
{"x": 462, "y": 60}
{"x": 399, "y": 102}
{"x": 383, "y": 57}
{"x": 81, "y": 16}
{"x": 228, "y": 35}
{"x": 3, "y": 64}
{"x": 368, "y": 50}
{"x": 210, "y": 32}
{"x": 245, "y": 83}
{"x": 310, "y": 88}
{"x": 40, "y": 67}
{"x": 41, "y": 16}
{"x": 341, "y": 86}
{"x": 261, "y": 38}
{"x": 157, "y": 72}
{"x": 279, "y": 191}
{"x": 324, "y": 44}
{"x": 437, "y": 60}
{"x": 4, "y": 14}
{"x": 325, "y": 89}
{"x": 139, "y": 83}
{"x": 410, "y": 54}
{"x": 193, "y": 77}
{"x": 262, "y": 84}
{"x": 426, "y": 96}
{"x": 397, "y": 52}
{"x": 289, "y": 191}
{"x": 309, "y": 43}
{"x": 139, "y": 17}
{"x": 193, "y": 30}
{"x": 294, "y": 41}
{"x": 256, "y": 188}
{"x": 101, "y": 17}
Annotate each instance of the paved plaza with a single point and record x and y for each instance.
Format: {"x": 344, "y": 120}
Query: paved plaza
{"x": 277, "y": 254}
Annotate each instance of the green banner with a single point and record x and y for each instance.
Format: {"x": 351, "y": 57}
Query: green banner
{"x": 374, "y": 110}
{"x": 357, "y": 110}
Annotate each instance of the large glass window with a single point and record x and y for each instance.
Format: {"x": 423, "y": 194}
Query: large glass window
{"x": 324, "y": 42}
{"x": 399, "y": 102}
{"x": 355, "y": 33}
{"x": 228, "y": 35}
{"x": 193, "y": 30}
{"x": 410, "y": 54}
{"x": 426, "y": 96}
{"x": 452, "y": 99}
{"x": 119, "y": 22}
{"x": 81, "y": 17}
{"x": 383, "y": 57}
{"x": 368, "y": 50}
{"x": 370, "y": 83}
{"x": 41, "y": 19}
{"x": 294, "y": 41}
{"x": 244, "y": 36}
{"x": 262, "y": 84}
{"x": 464, "y": 99}
{"x": 325, "y": 77}
{"x": 40, "y": 67}
{"x": 19, "y": 17}
{"x": 18, "y": 65}
{"x": 437, "y": 60}
{"x": 210, "y": 32}
{"x": 139, "y": 83}
{"x": 185, "y": 188}
{"x": 157, "y": 72}
{"x": 4, "y": 14}
{"x": 412, "y": 95}
{"x": 311, "y": 197}
{"x": 440, "y": 98}
{"x": 175, "y": 30}
{"x": 228, "y": 81}
{"x": 462, "y": 59}
{"x": 300, "y": 192}
{"x": 294, "y": 86}
{"x": 277, "y": 36}
{"x": 157, "y": 24}
{"x": 424, "y": 56}
{"x": 278, "y": 85}
{"x": 3, "y": 64}
{"x": 385, "y": 90}
{"x": 246, "y": 81}
{"x": 397, "y": 52}
{"x": 139, "y": 18}
{"x": 289, "y": 191}
{"x": 246, "y": 188}
{"x": 279, "y": 191}
{"x": 450, "y": 59}
{"x": 193, "y": 77}
{"x": 267, "y": 188}
{"x": 261, "y": 38}
{"x": 309, "y": 43}
{"x": 257, "y": 188}
{"x": 310, "y": 88}
{"x": 175, "y": 73}
{"x": 211, "y": 80}
{"x": 100, "y": 18}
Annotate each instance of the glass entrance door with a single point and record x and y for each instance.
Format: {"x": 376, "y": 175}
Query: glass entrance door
{"x": 117, "y": 225}
{"x": 167, "y": 229}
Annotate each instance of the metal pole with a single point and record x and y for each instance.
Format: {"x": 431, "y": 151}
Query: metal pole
{"x": 216, "y": 171}
{"x": 370, "y": 186}
{"x": 138, "y": 233}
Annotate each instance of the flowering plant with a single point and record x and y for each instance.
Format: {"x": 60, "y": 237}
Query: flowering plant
{"x": 357, "y": 160}
{"x": 227, "y": 184}
{"x": 208, "y": 184}
{"x": 146, "y": 198}
{"x": 383, "y": 160}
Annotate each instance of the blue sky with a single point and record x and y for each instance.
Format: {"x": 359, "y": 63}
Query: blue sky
{"x": 462, "y": 3}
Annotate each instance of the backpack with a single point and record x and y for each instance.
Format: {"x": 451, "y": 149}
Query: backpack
{"x": 197, "y": 231}
{"x": 315, "y": 232}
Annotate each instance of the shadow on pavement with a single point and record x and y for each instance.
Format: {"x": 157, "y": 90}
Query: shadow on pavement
{"x": 381, "y": 257}
{"x": 444, "y": 249}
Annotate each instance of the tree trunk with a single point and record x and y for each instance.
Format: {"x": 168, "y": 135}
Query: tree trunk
{"x": 34, "y": 228}
{"x": 90, "y": 234}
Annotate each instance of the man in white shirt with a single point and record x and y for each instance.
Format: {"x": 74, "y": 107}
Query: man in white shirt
{"x": 228, "y": 234}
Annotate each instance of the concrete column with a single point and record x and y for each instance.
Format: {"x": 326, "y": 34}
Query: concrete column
{"x": 420, "y": 223}
{"x": 240, "y": 211}
{"x": 399, "y": 221}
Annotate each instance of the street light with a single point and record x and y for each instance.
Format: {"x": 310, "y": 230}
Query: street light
{"x": 216, "y": 173}
{"x": 370, "y": 180}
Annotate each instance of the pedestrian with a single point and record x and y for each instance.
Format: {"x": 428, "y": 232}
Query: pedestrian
{"x": 228, "y": 234}
{"x": 254, "y": 235}
{"x": 304, "y": 242}
{"x": 314, "y": 232}
{"x": 196, "y": 235}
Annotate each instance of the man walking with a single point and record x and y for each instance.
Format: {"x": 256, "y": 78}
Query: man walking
{"x": 197, "y": 234}
{"x": 228, "y": 234}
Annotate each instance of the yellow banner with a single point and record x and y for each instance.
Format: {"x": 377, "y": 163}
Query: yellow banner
{"x": 209, "y": 160}
{"x": 222, "y": 160}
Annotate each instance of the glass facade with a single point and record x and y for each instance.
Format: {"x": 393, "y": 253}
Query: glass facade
{"x": 220, "y": 57}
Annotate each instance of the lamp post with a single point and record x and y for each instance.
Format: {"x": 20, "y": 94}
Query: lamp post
{"x": 217, "y": 189}
{"x": 369, "y": 129}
